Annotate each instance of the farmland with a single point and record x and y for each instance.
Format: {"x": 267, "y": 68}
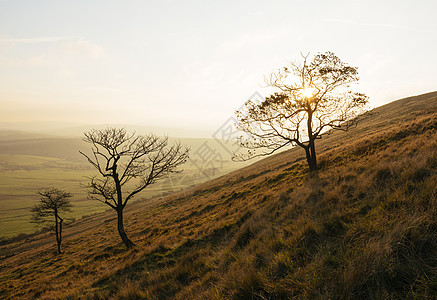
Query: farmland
{"x": 30, "y": 161}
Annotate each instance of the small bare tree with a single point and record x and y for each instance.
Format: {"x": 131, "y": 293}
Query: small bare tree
{"x": 53, "y": 202}
{"x": 312, "y": 97}
{"x": 127, "y": 164}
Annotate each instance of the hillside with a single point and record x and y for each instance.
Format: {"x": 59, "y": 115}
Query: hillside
{"x": 30, "y": 161}
{"x": 365, "y": 227}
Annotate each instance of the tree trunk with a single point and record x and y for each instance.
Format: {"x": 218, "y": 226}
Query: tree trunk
{"x": 310, "y": 149}
{"x": 60, "y": 234}
{"x": 57, "y": 233}
{"x": 311, "y": 158}
{"x": 129, "y": 244}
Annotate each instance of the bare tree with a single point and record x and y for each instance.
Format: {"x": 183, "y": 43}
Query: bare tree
{"x": 312, "y": 97}
{"x": 53, "y": 202}
{"x": 127, "y": 164}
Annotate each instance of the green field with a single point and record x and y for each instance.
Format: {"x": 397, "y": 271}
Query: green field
{"x": 23, "y": 175}
{"x": 31, "y": 162}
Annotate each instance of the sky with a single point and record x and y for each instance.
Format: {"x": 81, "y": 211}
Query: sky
{"x": 191, "y": 64}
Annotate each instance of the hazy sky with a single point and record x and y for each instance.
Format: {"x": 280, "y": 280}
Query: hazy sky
{"x": 190, "y": 64}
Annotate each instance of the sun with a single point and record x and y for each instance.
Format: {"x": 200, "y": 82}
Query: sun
{"x": 307, "y": 92}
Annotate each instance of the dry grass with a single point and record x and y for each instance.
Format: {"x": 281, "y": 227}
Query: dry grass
{"x": 365, "y": 227}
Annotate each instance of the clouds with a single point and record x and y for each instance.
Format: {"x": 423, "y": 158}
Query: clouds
{"x": 379, "y": 26}
{"x": 82, "y": 46}
{"x": 66, "y": 46}
{"x": 56, "y": 70}
{"x": 58, "y": 56}
{"x": 200, "y": 58}
{"x": 35, "y": 40}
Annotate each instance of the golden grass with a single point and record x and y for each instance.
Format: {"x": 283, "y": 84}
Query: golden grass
{"x": 365, "y": 227}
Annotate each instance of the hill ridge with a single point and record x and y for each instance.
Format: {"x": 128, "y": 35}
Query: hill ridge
{"x": 364, "y": 228}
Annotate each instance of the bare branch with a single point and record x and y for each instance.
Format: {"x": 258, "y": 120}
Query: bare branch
{"x": 291, "y": 116}
{"x": 128, "y": 160}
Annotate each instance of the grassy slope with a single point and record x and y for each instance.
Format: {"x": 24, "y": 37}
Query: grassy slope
{"x": 30, "y": 161}
{"x": 365, "y": 228}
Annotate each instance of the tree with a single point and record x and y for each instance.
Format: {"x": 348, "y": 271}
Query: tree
{"x": 311, "y": 97}
{"x": 53, "y": 202}
{"x": 127, "y": 164}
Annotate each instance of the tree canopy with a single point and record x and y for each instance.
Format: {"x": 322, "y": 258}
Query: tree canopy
{"x": 127, "y": 164}
{"x": 52, "y": 204}
{"x": 311, "y": 97}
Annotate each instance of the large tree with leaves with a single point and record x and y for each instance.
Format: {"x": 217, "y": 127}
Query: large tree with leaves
{"x": 311, "y": 97}
{"x": 127, "y": 164}
{"x": 52, "y": 204}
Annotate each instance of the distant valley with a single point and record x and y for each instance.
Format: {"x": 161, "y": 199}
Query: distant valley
{"x": 30, "y": 161}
